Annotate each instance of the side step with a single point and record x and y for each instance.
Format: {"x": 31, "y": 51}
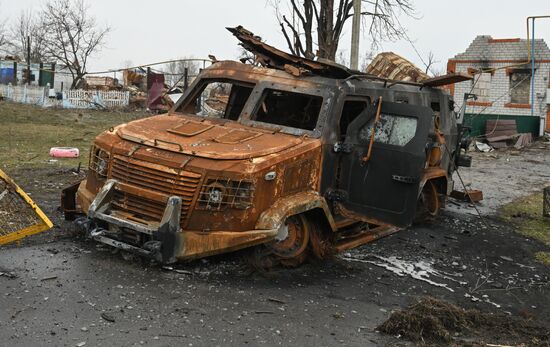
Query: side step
{"x": 366, "y": 237}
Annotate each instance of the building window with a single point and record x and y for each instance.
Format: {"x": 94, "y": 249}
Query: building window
{"x": 520, "y": 84}
{"x": 481, "y": 85}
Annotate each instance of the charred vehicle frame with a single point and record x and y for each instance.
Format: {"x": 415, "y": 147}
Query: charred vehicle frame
{"x": 293, "y": 156}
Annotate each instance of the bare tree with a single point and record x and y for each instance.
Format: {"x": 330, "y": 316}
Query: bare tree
{"x": 4, "y": 38}
{"x": 26, "y": 26}
{"x": 324, "y": 21}
{"x": 175, "y": 70}
{"x": 431, "y": 61}
{"x": 71, "y": 35}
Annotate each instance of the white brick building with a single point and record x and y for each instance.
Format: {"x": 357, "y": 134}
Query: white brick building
{"x": 503, "y": 83}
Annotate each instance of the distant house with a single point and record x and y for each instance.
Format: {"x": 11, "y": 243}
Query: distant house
{"x": 41, "y": 74}
{"x": 502, "y": 83}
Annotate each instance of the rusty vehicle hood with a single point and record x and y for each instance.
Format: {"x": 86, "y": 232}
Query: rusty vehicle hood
{"x": 205, "y": 138}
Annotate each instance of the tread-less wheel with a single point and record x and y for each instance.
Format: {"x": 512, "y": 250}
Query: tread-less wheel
{"x": 429, "y": 203}
{"x": 300, "y": 236}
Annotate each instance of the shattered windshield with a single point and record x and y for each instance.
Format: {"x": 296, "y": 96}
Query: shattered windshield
{"x": 218, "y": 99}
{"x": 289, "y": 109}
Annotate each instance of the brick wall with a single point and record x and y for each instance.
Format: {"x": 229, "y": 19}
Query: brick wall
{"x": 485, "y": 54}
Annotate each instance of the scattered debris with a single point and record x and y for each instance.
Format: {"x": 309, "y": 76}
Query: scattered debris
{"x": 483, "y": 147}
{"x": 524, "y": 140}
{"x": 434, "y": 321}
{"x": 276, "y": 300}
{"x": 10, "y": 275}
{"x": 108, "y": 317}
{"x": 470, "y": 195}
{"x": 179, "y": 271}
{"x": 503, "y": 133}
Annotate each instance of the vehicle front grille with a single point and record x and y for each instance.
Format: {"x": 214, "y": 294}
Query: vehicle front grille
{"x": 157, "y": 178}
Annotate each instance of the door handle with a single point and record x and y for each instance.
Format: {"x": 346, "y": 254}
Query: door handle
{"x": 405, "y": 179}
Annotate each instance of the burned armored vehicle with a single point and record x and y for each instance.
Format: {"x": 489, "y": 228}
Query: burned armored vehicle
{"x": 292, "y": 156}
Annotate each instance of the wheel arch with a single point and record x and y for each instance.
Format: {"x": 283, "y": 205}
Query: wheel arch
{"x": 308, "y": 202}
{"x": 439, "y": 177}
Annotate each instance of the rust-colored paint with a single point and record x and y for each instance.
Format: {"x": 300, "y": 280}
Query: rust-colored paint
{"x": 270, "y": 174}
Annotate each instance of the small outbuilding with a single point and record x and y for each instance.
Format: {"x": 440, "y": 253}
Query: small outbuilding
{"x": 503, "y": 83}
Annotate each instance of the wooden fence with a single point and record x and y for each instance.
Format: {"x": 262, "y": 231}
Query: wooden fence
{"x": 71, "y": 98}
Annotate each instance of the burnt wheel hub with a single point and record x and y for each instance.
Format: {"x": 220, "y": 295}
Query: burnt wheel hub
{"x": 292, "y": 239}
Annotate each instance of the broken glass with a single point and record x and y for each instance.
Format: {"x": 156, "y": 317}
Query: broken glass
{"x": 390, "y": 129}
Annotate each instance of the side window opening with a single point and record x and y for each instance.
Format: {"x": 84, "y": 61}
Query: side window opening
{"x": 289, "y": 109}
{"x": 237, "y": 99}
{"x": 401, "y": 99}
{"x": 219, "y": 100}
{"x": 352, "y": 109}
{"x": 520, "y": 83}
{"x": 391, "y": 130}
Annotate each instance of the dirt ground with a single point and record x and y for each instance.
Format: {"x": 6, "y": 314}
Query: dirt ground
{"x": 59, "y": 289}
{"x": 506, "y": 175}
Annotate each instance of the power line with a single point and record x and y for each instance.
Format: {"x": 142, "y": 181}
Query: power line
{"x": 204, "y": 61}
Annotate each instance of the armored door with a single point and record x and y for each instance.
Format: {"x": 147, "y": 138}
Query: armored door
{"x": 383, "y": 183}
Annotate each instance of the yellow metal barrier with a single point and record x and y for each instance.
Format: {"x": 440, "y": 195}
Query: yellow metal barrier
{"x": 19, "y": 215}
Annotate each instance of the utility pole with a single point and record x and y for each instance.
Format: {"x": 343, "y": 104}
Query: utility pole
{"x": 355, "y": 34}
{"x": 28, "y": 60}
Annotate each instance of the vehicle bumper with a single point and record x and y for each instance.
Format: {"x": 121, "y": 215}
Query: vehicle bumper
{"x": 166, "y": 241}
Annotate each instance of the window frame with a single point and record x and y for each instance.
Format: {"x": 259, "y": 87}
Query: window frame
{"x": 350, "y": 97}
{"x": 257, "y": 97}
{"x": 196, "y": 89}
{"x": 512, "y": 87}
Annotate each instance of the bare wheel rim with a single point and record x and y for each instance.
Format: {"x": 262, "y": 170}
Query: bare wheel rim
{"x": 431, "y": 199}
{"x": 297, "y": 240}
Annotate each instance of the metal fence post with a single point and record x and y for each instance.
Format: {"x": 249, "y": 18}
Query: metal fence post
{"x": 546, "y": 202}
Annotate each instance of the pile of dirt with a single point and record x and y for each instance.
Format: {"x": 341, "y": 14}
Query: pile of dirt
{"x": 433, "y": 321}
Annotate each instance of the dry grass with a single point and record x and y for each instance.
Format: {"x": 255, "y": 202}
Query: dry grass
{"x": 543, "y": 257}
{"x": 526, "y": 213}
{"x": 27, "y": 133}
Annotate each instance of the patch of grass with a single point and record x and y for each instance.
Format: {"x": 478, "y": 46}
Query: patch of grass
{"x": 527, "y": 214}
{"x": 543, "y": 257}
{"x": 28, "y": 132}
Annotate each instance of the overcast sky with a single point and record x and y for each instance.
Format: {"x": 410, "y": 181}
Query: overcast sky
{"x": 151, "y": 31}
